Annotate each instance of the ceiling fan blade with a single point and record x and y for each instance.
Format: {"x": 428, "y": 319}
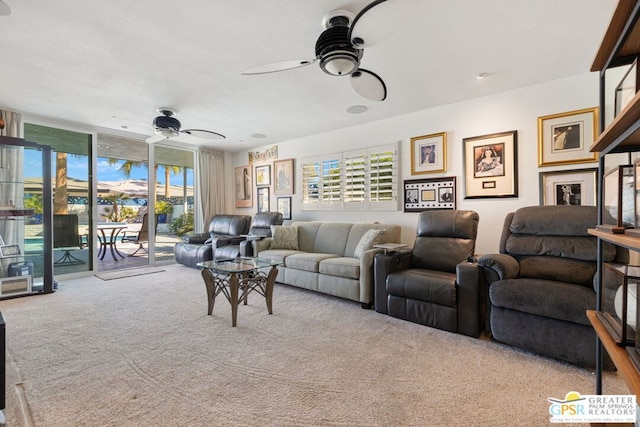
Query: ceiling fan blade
{"x": 155, "y": 138}
{"x": 368, "y": 85}
{"x": 278, "y": 66}
{"x": 370, "y": 27}
{"x": 203, "y": 134}
{"x": 4, "y": 9}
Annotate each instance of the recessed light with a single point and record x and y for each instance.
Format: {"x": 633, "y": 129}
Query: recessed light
{"x": 357, "y": 109}
{"x": 481, "y": 76}
{"x": 258, "y": 135}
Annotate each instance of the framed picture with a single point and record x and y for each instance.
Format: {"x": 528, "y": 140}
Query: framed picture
{"x": 627, "y": 88}
{"x": 263, "y": 199}
{"x": 263, "y": 175}
{"x": 244, "y": 187}
{"x": 283, "y": 174}
{"x": 569, "y": 187}
{"x": 565, "y": 138}
{"x": 427, "y": 194}
{"x": 284, "y": 207}
{"x": 490, "y": 164}
{"x": 429, "y": 153}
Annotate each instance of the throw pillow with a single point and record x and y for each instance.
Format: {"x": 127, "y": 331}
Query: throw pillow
{"x": 368, "y": 239}
{"x": 284, "y": 237}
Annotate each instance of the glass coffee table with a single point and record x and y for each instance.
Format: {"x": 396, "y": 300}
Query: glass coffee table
{"x": 236, "y": 278}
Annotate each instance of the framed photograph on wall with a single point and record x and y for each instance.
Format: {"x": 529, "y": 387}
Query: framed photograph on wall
{"x": 565, "y": 138}
{"x": 429, "y": 153}
{"x": 490, "y": 164}
{"x": 427, "y": 194}
{"x": 263, "y": 175}
{"x": 283, "y": 174}
{"x": 244, "y": 187}
{"x": 569, "y": 187}
{"x": 263, "y": 199}
{"x": 284, "y": 207}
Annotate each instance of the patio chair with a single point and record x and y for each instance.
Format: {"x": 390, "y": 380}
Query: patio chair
{"x": 142, "y": 235}
{"x": 67, "y": 238}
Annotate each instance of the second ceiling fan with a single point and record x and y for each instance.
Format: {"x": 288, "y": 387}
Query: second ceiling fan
{"x": 167, "y": 126}
{"x": 339, "y": 50}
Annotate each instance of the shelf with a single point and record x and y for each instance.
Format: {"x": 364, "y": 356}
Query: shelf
{"x": 609, "y": 140}
{"x": 629, "y": 48}
{"x": 624, "y": 240}
{"x": 617, "y": 353}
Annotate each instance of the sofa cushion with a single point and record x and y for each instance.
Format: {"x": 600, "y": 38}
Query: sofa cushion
{"x": 546, "y": 298}
{"x": 307, "y": 261}
{"x": 284, "y": 237}
{"x": 577, "y": 247}
{"x": 277, "y": 254}
{"x": 368, "y": 239}
{"x": 433, "y": 286}
{"x": 332, "y": 238}
{"x": 342, "y": 267}
{"x": 558, "y": 269}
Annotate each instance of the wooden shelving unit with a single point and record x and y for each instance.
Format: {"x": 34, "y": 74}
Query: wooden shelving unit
{"x": 620, "y": 46}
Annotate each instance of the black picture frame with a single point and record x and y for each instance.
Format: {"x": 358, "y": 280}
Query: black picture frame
{"x": 262, "y": 197}
{"x": 284, "y": 207}
{"x": 430, "y": 194}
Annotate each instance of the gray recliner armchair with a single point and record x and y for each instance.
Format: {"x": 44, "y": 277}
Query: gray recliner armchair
{"x": 436, "y": 284}
{"x": 223, "y": 230}
{"x": 260, "y": 228}
{"x": 542, "y": 282}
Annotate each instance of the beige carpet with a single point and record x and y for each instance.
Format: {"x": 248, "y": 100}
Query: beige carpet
{"x": 141, "y": 351}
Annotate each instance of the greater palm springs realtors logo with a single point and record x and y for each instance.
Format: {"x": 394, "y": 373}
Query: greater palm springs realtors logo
{"x": 575, "y": 408}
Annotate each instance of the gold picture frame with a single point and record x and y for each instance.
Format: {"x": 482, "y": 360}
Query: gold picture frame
{"x": 566, "y": 138}
{"x": 429, "y": 153}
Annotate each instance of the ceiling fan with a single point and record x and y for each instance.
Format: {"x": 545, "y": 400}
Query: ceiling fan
{"x": 339, "y": 50}
{"x": 4, "y": 9}
{"x": 168, "y": 127}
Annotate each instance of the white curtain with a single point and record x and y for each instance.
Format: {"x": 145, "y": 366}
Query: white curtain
{"x": 11, "y": 180}
{"x": 212, "y": 194}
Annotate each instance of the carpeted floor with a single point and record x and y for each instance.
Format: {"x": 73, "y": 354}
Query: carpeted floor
{"x": 141, "y": 351}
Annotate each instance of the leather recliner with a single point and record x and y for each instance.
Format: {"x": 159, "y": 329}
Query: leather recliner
{"x": 223, "y": 230}
{"x": 437, "y": 283}
{"x": 542, "y": 282}
{"x": 260, "y": 228}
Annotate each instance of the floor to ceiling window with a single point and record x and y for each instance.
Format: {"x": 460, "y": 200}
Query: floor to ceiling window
{"x": 174, "y": 197}
{"x": 73, "y": 242}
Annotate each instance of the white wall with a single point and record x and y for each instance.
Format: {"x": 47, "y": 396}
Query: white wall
{"x": 514, "y": 110}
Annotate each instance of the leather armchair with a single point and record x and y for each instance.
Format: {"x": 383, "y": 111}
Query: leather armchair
{"x": 437, "y": 283}
{"x": 542, "y": 282}
{"x": 223, "y": 230}
{"x": 260, "y": 228}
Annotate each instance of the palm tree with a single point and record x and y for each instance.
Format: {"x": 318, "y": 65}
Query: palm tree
{"x": 127, "y": 166}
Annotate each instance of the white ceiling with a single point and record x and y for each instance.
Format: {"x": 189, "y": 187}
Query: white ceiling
{"x": 112, "y": 63}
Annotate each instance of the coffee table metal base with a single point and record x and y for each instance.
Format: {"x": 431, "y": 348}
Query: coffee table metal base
{"x": 236, "y": 287}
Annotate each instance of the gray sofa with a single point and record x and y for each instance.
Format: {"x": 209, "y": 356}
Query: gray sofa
{"x": 323, "y": 258}
{"x": 542, "y": 282}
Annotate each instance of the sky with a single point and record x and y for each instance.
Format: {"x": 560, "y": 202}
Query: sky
{"x": 77, "y": 168}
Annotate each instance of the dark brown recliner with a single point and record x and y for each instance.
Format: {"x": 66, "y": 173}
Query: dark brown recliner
{"x": 542, "y": 282}
{"x": 260, "y": 228}
{"x": 223, "y": 230}
{"x": 437, "y": 284}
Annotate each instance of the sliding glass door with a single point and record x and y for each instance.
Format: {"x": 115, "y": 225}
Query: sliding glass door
{"x": 73, "y": 242}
